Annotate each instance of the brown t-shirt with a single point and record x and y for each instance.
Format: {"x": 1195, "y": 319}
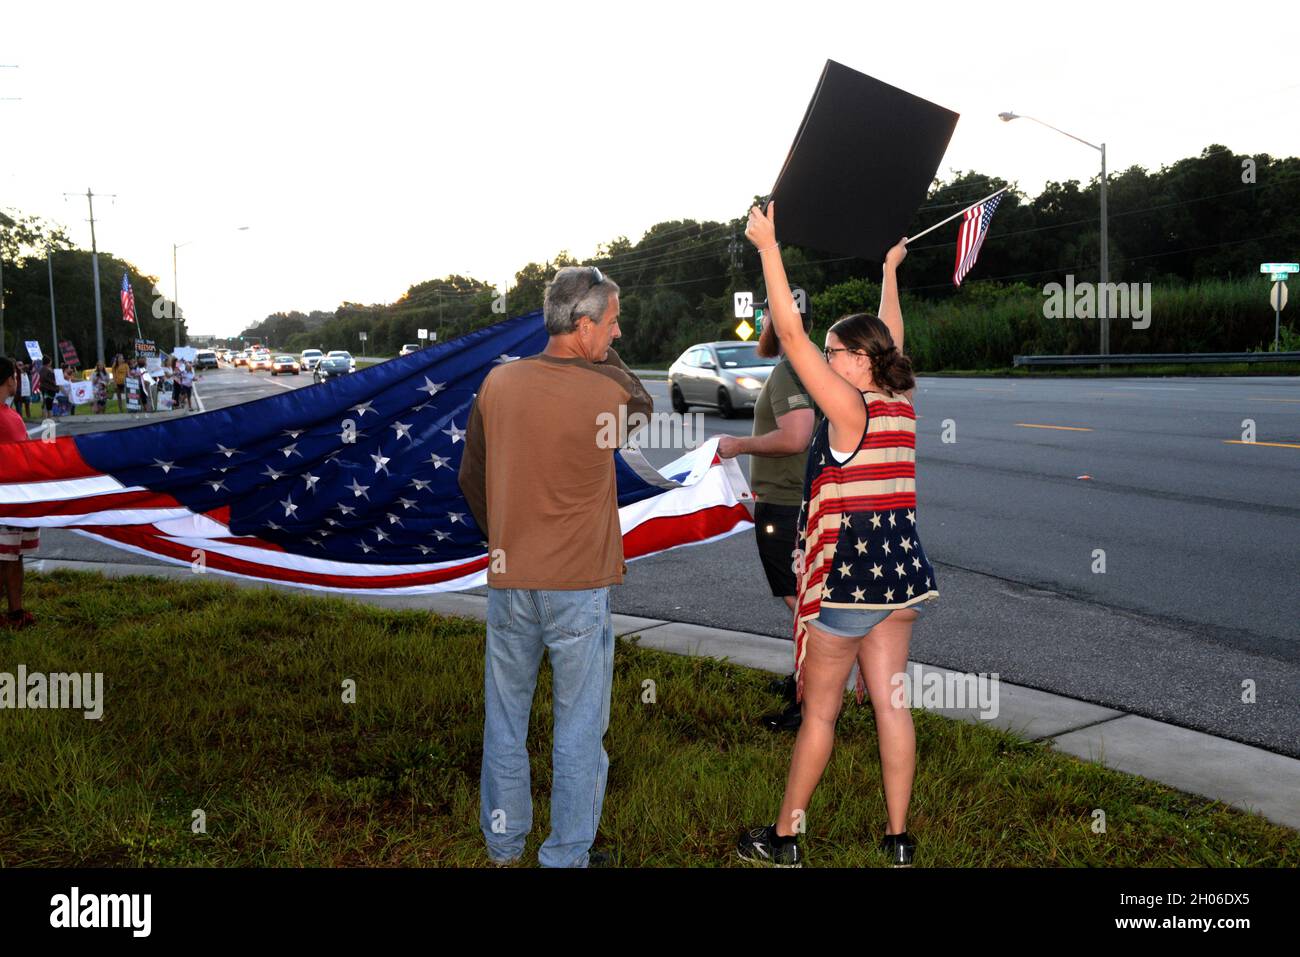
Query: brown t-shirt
{"x": 539, "y": 476}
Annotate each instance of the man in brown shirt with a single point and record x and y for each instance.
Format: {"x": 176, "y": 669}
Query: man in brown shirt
{"x": 540, "y": 482}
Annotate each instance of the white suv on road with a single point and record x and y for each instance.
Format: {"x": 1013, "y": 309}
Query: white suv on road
{"x": 310, "y": 358}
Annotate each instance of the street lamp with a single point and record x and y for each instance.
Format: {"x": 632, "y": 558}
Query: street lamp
{"x": 1105, "y": 245}
{"x": 176, "y": 302}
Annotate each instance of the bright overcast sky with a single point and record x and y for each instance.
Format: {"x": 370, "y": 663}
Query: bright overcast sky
{"x": 371, "y": 146}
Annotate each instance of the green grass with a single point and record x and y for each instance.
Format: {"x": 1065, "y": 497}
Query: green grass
{"x": 229, "y": 699}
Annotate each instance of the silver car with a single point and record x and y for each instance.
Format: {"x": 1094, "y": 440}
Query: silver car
{"x": 724, "y": 375}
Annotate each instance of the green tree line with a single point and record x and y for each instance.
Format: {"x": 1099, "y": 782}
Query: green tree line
{"x": 31, "y": 249}
{"x": 1196, "y": 229}
{"x": 1199, "y": 226}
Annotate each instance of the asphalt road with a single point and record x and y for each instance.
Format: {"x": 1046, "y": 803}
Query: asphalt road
{"x": 1200, "y": 596}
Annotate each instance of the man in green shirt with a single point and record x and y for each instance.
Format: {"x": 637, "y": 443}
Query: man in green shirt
{"x": 783, "y": 427}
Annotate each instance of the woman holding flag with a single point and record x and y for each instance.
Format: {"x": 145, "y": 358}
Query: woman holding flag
{"x": 864, "y": 575}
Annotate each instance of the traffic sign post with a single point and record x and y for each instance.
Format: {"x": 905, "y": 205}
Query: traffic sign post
{"x": 1277, "y": 299}
{"x": 1278, "y": 272}
{"x": 744, "y": 302}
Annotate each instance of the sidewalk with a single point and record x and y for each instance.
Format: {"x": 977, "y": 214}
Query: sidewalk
{"x": 139, "y": 417}
{"x": 1239, "y": 775}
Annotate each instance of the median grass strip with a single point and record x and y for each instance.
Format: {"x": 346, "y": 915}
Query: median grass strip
{"x": 229, "y": 700}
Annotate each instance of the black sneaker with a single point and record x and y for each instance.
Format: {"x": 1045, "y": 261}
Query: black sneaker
{"x": 787, "y": 720}
{"x": 761, "y": 845}
{"x": 784, "y": 687}
{"x": 901, "y": 848}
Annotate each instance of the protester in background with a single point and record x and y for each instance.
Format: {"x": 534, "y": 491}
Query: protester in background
{"x": 542, "y": 487}
{"x": 70, "y": 375}
{"x": 187, "y": 381}
{"x": 100, "y": 380}
{"x": 140, "y": 374}
{"x": 783, "y": 427}
{"x": 172, "y": 381}
{"x": 14, "y": 542}
{"x": 120, "y": 369}
{"x": 49, "y": 386}
{"x": 23, "y": 400}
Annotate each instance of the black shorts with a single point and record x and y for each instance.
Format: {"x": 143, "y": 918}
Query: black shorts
{"x": 777, "y": 529}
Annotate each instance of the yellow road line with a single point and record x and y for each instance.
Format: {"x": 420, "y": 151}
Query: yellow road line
{"x": 1258, "y": 398}
{"x": 1065, "y": 428}
{"x": 1276, "y": 445}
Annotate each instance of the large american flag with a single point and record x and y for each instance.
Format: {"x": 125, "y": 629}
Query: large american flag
{"x": 974, "y": 227}
{"x": 350, "y": 485}
{"x": 128, "y": 300}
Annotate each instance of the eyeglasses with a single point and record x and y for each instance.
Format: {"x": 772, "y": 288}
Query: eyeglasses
{"x": 830, "y": 353}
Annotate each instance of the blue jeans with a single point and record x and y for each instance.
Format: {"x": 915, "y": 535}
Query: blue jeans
{"x": 575, "y": 629}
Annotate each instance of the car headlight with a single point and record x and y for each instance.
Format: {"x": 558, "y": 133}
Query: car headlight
{"x": 748, "y": 382}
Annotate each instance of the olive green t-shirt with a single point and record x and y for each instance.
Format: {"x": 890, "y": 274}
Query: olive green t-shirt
{"x": 778, "y": 480}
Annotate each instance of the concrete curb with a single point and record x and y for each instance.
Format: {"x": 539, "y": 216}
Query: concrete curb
{"x": 1240, "y": 775}
{"x": 141, "y": 417}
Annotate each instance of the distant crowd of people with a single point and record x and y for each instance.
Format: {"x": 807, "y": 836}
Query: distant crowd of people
{"x": 37, "y": 382}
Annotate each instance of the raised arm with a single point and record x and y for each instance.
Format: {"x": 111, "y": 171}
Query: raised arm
{"x": 839, "y": 401}
{"x": 891, "y": 313}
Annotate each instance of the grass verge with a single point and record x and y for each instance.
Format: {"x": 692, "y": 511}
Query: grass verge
{"x": 229, "y": 700}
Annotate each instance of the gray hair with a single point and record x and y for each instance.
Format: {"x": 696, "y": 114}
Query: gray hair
{"x": 572, "y": 293}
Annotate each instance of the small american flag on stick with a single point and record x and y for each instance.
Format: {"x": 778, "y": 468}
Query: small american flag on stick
{"x": 974, "y": 227}
{"x": 128, "y": 299}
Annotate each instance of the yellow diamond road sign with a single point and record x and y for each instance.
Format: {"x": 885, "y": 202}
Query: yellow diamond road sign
{"x": 744, "y": 330}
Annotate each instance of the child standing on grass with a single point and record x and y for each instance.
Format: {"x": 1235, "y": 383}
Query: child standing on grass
{"x": 14, "y": 542}
{"x": 101, "y": 380}
{"x": 23, "y": 400}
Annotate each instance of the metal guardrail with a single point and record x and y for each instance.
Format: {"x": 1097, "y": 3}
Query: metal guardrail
{"x": 1156, "y": 358}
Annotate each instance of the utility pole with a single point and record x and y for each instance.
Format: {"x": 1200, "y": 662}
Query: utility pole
{"x": 1105, "y": 265}
{"x": 735, "y": 248}
{"x": 4, "y": 66}
{"x": 54, "y": 326}
{"x": 94, "y": 271}
{"x": 2, "y": 295}
{"x": 176, "y": 304}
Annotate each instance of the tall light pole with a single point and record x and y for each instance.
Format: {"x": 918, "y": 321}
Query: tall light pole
{"x": 176, "y": 296}
{"x": 94, "y": 272}
{"x": 2, "y": 295}
{"x": 54, "y": 325}
{"x": 4, "y": 66}
{"x": 176, "y": 300}
{"x": 1105, "y": 245}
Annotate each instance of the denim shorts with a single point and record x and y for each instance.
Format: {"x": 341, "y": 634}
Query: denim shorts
{"x": 854, "y": 622}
